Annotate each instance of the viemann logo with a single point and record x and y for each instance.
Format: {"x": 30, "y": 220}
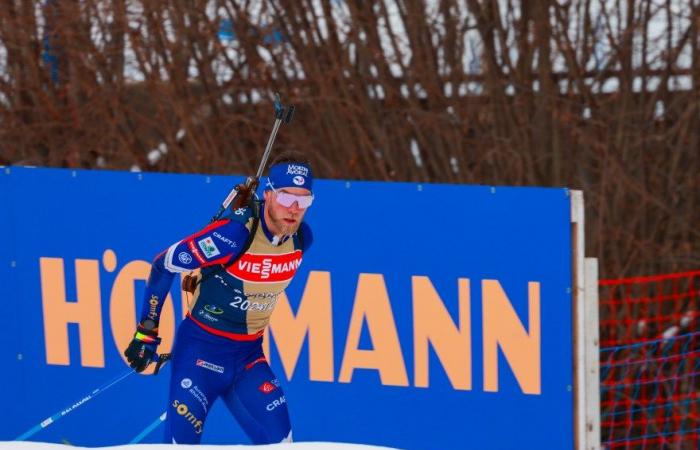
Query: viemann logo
{"x": 259, "y": 268}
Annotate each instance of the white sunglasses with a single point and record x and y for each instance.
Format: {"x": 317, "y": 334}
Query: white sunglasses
{"x": 286, "y": 199}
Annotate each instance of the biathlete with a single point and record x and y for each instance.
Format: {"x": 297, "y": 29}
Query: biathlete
{"x": 245, "y": 259}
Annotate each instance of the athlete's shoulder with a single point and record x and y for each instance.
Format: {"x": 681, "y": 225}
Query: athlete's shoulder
{"x": 240, "y": 215}
{"x": 305, "y": 235}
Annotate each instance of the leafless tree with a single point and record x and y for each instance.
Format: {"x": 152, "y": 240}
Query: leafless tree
{"x": 595, "y": 95}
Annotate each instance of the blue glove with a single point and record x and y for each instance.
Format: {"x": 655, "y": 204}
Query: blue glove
{"x": 142, "y": 348}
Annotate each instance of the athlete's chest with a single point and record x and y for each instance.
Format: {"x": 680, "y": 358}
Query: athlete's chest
{"x": 267, "y": 263}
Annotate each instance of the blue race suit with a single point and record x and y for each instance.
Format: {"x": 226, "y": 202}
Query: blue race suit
{"x": 218, "y": 347}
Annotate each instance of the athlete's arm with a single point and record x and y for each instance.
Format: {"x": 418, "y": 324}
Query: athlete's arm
{"x": 218, "y": 243}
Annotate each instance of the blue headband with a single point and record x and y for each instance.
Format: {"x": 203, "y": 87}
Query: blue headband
{"x": 285, "y": 175}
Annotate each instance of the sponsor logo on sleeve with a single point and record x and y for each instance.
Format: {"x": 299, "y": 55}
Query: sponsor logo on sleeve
{"x": 208, "y": 247}
{"x": 153, "y": 307}
{"x": 231, "y": 243}
{"x": 184, "y": 258}
{"x": 195, "y": 252}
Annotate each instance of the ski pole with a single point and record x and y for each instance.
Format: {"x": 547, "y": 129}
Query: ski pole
{"x": 282, "y": 114}
{"x": 139, "y": 437}
{"x": 64, "y": 412}
{"x": 159, "y": 359}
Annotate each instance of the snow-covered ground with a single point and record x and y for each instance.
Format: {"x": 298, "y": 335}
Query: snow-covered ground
{"x": 293, "y": 446}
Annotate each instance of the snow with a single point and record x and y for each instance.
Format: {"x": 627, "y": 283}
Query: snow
{"x": 291, "y": 446}
{"x": 153, "y": 156}
{"x": 415, "y": 150}
{"x": 454, "y": 165}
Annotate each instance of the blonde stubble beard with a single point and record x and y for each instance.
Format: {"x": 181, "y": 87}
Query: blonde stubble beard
{"x": 280, "y": 224}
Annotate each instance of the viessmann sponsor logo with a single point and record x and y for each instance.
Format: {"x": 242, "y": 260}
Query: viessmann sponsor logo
{"x": 261, "y": 268}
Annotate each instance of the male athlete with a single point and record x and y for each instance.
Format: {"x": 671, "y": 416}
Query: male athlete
{"x": 218, "y": 347}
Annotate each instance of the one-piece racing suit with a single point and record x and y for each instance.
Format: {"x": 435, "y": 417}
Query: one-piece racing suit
{"x": 218, "y": 347}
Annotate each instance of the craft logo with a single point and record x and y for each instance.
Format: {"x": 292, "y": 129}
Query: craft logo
{"x": 224, "y": 239}
{"x": 208, "y": 247}
{"x": 276, "y": 403}
{"x": 260, "y": 268}
{"x": 207, "y": 365}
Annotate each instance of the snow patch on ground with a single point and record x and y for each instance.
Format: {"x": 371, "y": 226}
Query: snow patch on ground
{"x": 292, "y": 446}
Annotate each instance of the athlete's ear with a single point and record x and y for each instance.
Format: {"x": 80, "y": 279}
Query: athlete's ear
{"x": 266, "y": 195}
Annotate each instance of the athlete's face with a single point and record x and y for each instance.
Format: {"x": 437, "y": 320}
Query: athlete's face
{"x": 282, "y": 219}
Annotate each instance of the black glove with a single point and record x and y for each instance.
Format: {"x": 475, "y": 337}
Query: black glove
{"x": 142, "y": 348}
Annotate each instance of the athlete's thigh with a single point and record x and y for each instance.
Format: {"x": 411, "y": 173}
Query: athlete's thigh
{"x": 197, "y": 378}
{"x": 259, "y": 405}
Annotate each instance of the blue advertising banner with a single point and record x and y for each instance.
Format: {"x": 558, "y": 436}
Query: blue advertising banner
{"x": 425, "y": 316}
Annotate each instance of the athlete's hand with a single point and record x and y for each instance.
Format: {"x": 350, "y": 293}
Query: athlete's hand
{"x": 244, "y": 193}
{"x": 142, "y": 348}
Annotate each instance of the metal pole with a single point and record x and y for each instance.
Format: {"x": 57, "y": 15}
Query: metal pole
{"x": 70, "y": 408}
{"x": 149, "y": 429}
{"x": 282, "y": 114}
